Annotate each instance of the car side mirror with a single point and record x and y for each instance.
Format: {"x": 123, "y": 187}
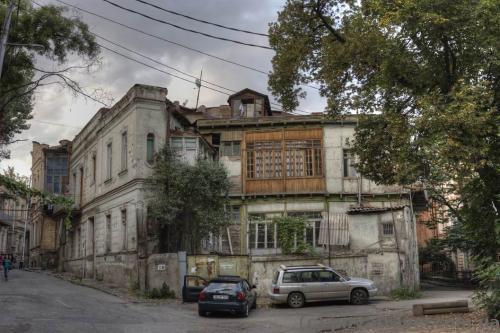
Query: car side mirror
{"x": 254, "y": 286}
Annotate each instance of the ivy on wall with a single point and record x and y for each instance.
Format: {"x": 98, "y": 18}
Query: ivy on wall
{"x": 21, "y": 189}
{"x": 290, "y": 234}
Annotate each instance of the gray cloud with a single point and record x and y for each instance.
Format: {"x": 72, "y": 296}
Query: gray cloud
{"x": 116, "y": 74}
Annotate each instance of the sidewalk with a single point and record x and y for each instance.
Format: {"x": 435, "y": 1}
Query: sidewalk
{"x": 118, "y": 291}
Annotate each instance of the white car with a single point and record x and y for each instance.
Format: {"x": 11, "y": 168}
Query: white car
{"x": 297, "y": 285}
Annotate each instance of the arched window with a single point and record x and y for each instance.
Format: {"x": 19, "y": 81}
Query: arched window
{"x": 150, "y": 148}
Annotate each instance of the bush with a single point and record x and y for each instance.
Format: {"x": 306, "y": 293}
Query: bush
{"x": 488, "y": 295}
{"x": 404, "y": 293}
{"x": 163, "y": 292}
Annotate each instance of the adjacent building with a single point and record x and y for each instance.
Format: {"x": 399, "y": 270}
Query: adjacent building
{"x": 50, "y": 165}
{"x": 14, "y": 232}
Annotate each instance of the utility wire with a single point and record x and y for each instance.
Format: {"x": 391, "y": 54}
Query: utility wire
{"x": 202, "y": 21}
{"x": 158, "y": 62}
{"x": 186, "y": 29}
{"x": 176, "y": 76}
{"x": 160, "y": 38}
{"x": 168, "y": 41}
{"x": 297, "y": 111}
{"x": 159, "y": 70}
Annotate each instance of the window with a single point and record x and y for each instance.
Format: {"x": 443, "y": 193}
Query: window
{"x": 124, "y": 228}
{"x": 94, "y": 168}
{"x": 150, "y": 148}
{"x": 235, "y": 214}
{"x": 313, "y": 226}
{"x": 109, "y": 161}
{"x": 264, "y": 159}
{"x": 108, "y": 233}
{"x": 290, "y": 277}
{"x": 303, "y": 158}
{"x": 230, "y": 148}
{"x": 348, "y": 161}
{"x": 124, "y": 151}
{"x": 309, "y": 276}
{"x": 263, "y": 233}
{"x": 185, "y": 148}
{"x": 387, "y": 229}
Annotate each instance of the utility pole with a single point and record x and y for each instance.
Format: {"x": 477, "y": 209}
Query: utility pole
{"x": 5, "y": 33}
{"x": 198, "y": 84}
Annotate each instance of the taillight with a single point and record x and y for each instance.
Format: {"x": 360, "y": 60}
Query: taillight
{"x": 276, "y": 290}
{"x": 201, "y": 296}
{"x": 241, "y": 296}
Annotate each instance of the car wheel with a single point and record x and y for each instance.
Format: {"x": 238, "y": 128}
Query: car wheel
{"x": 202, "y": 313}
{"x": 246, "y": 311}
{"x": 254, "y": 304}
{"x": 359, "y": 296}
{"x": 296, "y": 300}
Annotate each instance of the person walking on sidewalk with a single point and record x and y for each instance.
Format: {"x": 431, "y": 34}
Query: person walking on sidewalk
{"x": 6, "y": 266}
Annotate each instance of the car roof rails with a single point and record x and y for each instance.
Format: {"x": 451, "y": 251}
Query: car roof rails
{"x": 318, "y": 265}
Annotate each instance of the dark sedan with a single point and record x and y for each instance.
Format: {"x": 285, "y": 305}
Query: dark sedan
{"x": 227, "y": 294}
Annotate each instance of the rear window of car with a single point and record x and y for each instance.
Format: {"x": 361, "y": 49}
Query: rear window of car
{"x": 222, "y": 286}
{"x": 275, "y": 278}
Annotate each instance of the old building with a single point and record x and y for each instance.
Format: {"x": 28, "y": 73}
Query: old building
{"x": 279, "y": 165}
{"x": 14, "y": 230}
{"x": 49, "y": 174}
{"x": 282, "y": 164}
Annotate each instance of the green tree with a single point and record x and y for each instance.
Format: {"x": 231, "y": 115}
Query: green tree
{"x": 58, "y": 37}
{"x": 188, "y": 201}
{"x": 424, "y": 75}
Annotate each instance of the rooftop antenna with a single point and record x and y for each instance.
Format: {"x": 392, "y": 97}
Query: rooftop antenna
{"x": 198, "y": 84}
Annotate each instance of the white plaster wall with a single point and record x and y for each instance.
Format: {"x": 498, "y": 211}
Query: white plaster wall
{"x": 335, "y": 140}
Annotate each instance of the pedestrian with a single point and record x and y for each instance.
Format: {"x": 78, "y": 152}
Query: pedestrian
{"x": 6, "y": 266}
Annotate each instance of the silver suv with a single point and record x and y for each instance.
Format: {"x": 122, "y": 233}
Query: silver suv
{"x": 296, "y": 285}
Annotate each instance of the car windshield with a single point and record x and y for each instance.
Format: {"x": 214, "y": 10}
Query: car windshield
{"x": 221, "y": 286}
{"x": 343, "y": 274}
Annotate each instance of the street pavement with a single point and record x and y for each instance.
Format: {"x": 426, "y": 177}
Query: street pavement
{"x": 37, "y": 302}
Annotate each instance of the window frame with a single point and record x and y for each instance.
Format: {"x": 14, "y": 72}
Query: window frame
{"x": 109, "y": 161}
{"x": 124, "y": 151}
{"x": 348, "y": 170}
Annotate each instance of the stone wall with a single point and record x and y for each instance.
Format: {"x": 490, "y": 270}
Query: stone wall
{"x": 164, "y": 267}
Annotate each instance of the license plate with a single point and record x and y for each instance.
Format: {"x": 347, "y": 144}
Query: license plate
{"x": 221, "y": 297}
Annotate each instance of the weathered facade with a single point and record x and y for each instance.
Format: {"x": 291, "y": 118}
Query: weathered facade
{"x": 279, "y": 165}
{"x": 49, "y": 174}
{"x": 13, "y": 221}
{"x": 301, "y": 166}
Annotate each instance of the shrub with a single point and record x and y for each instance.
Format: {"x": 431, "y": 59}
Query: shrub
{"x": 405, "y": 293}
{"x": 487, "y": 297}
{"x": 163, "y": 292}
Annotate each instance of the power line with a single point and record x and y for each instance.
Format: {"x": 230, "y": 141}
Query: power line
{"x": 161, "y": 38}
{"x": 202, "y": 21}
{"x": 186, "y": 29}
{"x": 157, "y": 62}
{"x": 159, "y": 70}
{"x": 297, "y": 111}
{"x": 263, "y": 72}
{"x": 179, "y": 77}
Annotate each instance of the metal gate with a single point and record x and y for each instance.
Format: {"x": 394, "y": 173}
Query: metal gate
{"x": 209, "y": 266}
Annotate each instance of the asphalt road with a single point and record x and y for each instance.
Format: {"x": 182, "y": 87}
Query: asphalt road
{"x": 36, "y": 302}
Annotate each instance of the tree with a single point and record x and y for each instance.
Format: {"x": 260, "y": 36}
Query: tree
{"x": 46, "y": 34}
{"x": 424, "y": 75}
{"x": 189, "y": 202}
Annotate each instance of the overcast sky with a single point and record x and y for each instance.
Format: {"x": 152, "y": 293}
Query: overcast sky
{"x": 115, "y": 75}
